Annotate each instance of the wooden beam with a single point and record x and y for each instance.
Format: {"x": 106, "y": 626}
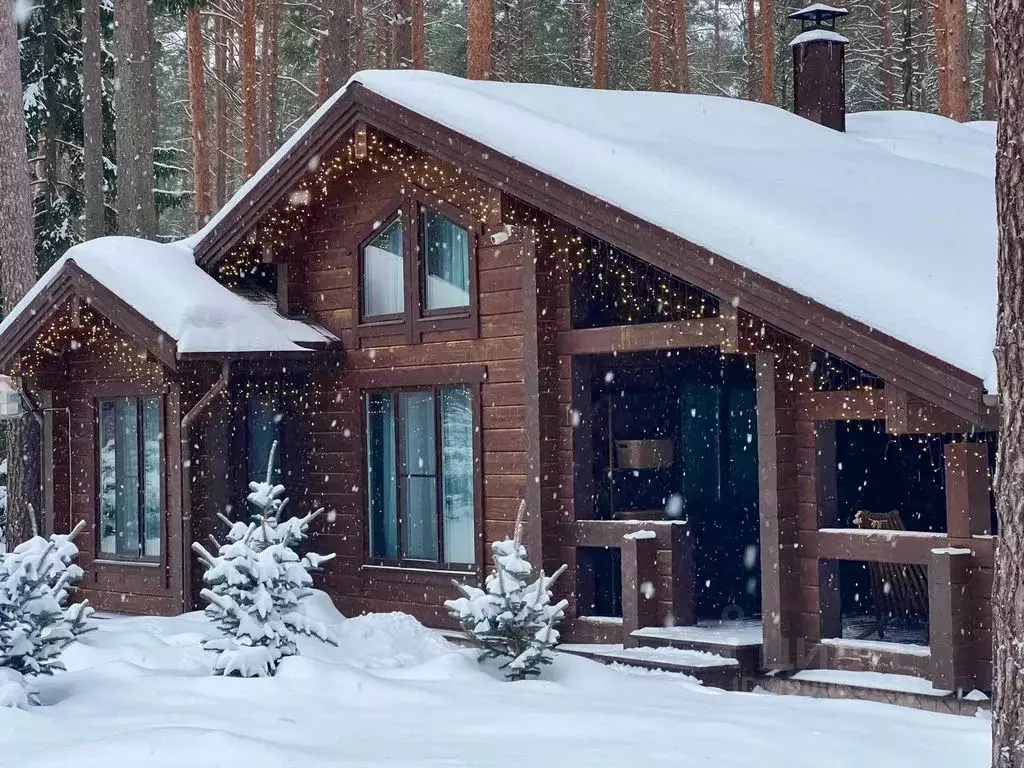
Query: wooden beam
{"x": 910, "y": 547}
{"x": 848, "y": 405}
{"x": 721, "y": 332}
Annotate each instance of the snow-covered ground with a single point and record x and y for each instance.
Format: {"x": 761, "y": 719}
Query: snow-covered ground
{"x": 138, "y": 693}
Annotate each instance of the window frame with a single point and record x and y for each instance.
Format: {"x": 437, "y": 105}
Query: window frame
{"x": 415, "y": 321}
{"x": 374, "y": 384}
{"x": 142, "y": 558}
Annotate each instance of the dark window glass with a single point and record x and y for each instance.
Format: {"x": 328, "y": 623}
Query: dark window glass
{"x": 383, "y": 285}
{"x": 446, "y": 262}
{"x": 419, "y": 482}
{"x": 381, "y": 485}
{"x": 130, "y": 461}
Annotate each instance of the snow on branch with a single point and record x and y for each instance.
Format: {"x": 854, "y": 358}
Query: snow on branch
{"x": 256, "y": 583}
{"x": 511, "y": 617}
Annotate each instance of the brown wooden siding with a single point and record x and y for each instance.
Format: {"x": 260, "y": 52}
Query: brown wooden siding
{"x": 90, "y": 372}
{"x": 493, "y": 349}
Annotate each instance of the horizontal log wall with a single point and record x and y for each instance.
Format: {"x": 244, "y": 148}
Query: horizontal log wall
{"x": 336, "y": 472}
{"x": 113, "y": 369}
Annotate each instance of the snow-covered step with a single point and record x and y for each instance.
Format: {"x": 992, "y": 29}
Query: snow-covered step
{"x": 711, "y": 669}
{"x": 902, "y": 690}
{"x": 738, "y": 640}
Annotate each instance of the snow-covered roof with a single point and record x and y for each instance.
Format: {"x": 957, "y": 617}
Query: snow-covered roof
{"x": 815, "y": 35}
{"x": 814, "y": 8}
{"x": 892, "y": 223}
{"x": 163, "y": 284}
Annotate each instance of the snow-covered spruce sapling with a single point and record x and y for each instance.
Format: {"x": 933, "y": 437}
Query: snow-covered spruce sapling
{"x": 512, "y": 617}
{"x": 256, "y": 583}
{"x": 35, "y": 627}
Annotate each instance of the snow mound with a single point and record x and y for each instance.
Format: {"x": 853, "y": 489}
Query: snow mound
{"x": 395, "y": 694}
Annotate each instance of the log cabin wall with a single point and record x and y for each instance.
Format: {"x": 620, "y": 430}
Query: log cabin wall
{"x": 322, "y": 277}
{"x": 114, "y": 368}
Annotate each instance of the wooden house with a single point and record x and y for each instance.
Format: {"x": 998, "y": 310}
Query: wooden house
{"x": 685, "y": 316}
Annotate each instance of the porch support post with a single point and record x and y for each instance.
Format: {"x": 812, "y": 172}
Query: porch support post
{"x": 532, "y": 364}
{"x": 968, "y": 503}
{"x": 950, "y": 619}
{"x": 639, "y": 554}
{"x": 780, "y": 578}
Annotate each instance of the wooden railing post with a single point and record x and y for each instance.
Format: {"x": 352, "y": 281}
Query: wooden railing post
{"x": 639, "y": 576}
{"x": 683, "y": 567}
{"x": 950, "y": 622}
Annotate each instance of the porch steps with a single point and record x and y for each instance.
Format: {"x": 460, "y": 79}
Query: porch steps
{"x": 900, "y": 690}
{"x": 710, "y": 669}
{"x": 739, "y": 641}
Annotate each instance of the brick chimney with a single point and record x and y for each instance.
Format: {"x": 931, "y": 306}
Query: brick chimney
{"x": 819, "y": 71}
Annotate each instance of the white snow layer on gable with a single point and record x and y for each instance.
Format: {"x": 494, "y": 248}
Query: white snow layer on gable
{"x": 163, "y": 283}
{"x": 892, "y": 224}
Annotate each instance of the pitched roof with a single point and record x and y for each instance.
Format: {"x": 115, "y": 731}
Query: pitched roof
{"x": 163, "y": 286}
{"x": 891, "y": 224}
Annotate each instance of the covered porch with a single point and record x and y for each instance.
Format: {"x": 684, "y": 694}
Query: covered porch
{"x": 718, "y": 466}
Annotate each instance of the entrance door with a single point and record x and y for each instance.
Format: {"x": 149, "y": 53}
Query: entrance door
{"x": 719, "y": 417}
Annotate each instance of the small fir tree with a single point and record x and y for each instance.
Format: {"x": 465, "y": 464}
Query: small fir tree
{"x": 35, "y": 583}
{"x": 256, "y": 584}
{"x": 512, "y": 617}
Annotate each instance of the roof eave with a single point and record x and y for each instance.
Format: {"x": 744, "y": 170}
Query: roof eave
{"x": 934, "y": 379}
{"x": 72, "y": 282}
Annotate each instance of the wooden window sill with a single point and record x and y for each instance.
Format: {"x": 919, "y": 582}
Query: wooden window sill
{"x": 127, "y": 563}
{"x": 418, "y": 569}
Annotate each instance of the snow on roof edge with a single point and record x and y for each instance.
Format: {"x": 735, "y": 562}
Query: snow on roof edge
{"x": 815, "y": 35}
{"x": 162, "y": 283}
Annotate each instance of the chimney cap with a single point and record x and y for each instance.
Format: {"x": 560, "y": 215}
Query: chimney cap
{"x": 819, "y": 13}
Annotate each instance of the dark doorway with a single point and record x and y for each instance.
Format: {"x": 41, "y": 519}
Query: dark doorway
{"x": 674, "y": 437}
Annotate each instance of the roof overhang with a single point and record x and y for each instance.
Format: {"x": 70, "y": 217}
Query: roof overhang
{"x": 951, "y": 388}
{"x": 73, "y": 284}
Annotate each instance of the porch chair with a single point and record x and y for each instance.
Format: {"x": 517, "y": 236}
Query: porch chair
{"x": 897, "y": 588}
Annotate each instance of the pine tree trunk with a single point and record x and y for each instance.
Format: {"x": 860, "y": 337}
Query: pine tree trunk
{"x": 197, "y": 102}
{"x": 768, "y": 51}
{"x": 92, "y": 119}
{"x": 48, "y": 174}
{"x": 908, "y": 56}
{"x": 272, "y": 43}
{"x": 135, "y": 117}
{"x": 751, "y": 19}
{"x": 220, "y": 64}
{"x": 359, "y": 35}
{"x": 888, "y": 87}
{"x": 716, "y": 50}
{"x": 419, "y": 35}
{"x": 17, "y": 267}
{"x": 1008, "y": 583}
{"x": 248, "y": 54}
{"x": 681, "y": 48}
{"x": 655, "y": 32}
{"x": 989, "y": 98}
{"x": 601, "y": 44}
{"x": 478, "y": 39}
{"x": 939, "y": 27}
{"x": 403, "y": 34}
{"x": 335, "y": 48}
{"x": 951, "y": 50}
